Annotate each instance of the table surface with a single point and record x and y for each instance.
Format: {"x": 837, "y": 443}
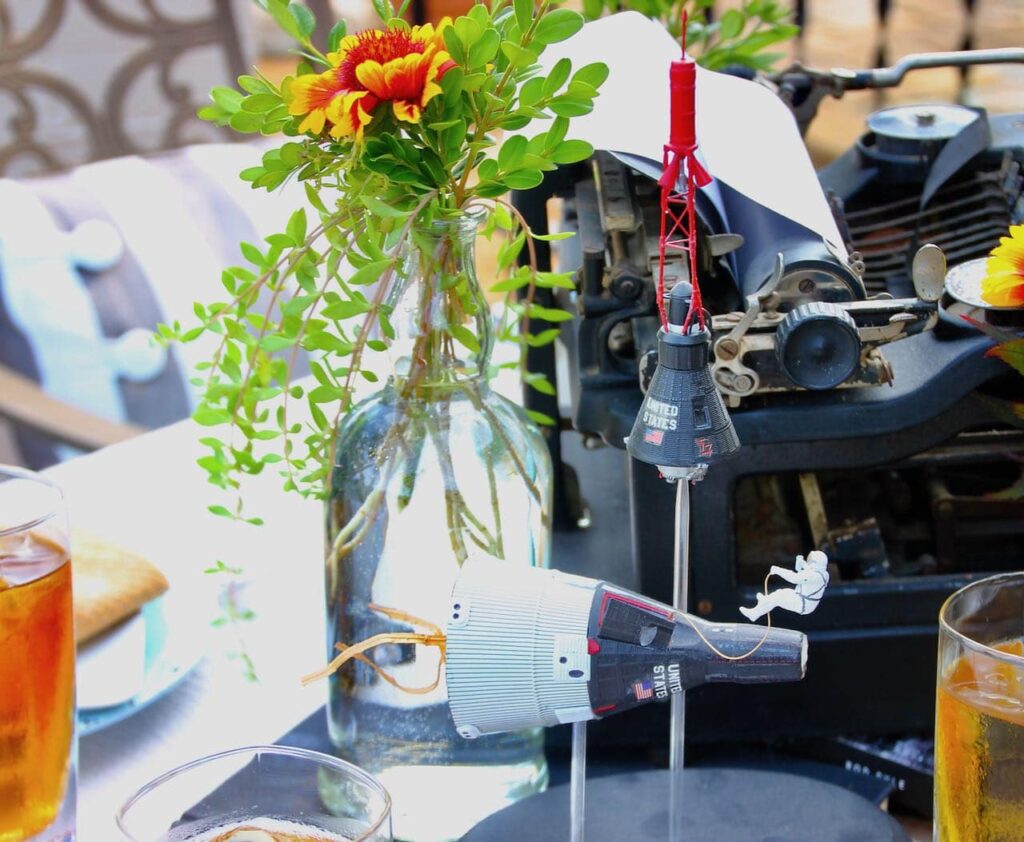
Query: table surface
{"x": 149, "y": 495}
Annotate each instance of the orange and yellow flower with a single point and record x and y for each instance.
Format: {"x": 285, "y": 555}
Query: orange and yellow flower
{"x": 1003, "y": 284}
{"x": 399, "y": 66}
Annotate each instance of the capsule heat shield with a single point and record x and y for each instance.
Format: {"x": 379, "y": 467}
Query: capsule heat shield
{"x": 517, "y": 651}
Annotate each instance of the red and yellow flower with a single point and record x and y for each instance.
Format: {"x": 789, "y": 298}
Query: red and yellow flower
{"x": 397, "y": 65}
{"x": 1003, "y": 284}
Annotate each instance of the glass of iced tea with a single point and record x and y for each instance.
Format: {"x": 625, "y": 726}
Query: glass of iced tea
{"x": 37, "y": 662}
{"x": 979, "y": 719}
{"x": 260, "y": 794}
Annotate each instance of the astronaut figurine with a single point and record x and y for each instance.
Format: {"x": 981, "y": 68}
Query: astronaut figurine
{"x": 810, "y": 579}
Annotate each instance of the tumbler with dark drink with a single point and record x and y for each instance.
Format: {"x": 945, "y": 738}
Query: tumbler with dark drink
{"x": 37, "y": 662}
{"x": 979, "y": 721}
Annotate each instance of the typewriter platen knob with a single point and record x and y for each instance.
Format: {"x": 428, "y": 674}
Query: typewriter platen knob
{"x": 818, "y": 346}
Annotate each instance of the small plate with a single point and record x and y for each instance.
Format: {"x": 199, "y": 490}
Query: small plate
{"x": 175, "y": 643}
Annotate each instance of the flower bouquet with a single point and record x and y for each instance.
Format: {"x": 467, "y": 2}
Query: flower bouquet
{"x": 406, "y": 140}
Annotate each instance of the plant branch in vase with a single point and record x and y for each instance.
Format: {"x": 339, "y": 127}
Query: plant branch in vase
{"x": 395, "y": 134}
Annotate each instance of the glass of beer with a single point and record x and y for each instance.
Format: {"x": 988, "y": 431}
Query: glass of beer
{"x": 260, "y": 794}
{"x": 37, "y": 662}
{"x": 979, "y": 719}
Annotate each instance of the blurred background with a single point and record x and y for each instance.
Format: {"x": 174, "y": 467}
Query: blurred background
{"x": 93, "y": 255}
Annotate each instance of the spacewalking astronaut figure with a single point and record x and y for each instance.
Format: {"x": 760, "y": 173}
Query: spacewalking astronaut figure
{"x": 810, "y": 579}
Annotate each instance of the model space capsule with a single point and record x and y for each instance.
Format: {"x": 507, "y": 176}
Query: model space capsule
{"x": 529, "y": 647}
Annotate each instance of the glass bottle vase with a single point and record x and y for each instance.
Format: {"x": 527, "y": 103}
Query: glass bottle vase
{"x": 430, "y": 471}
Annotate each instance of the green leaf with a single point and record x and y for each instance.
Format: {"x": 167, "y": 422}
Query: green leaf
{"x": 251, "y": 253}
{"x": 1011, "y": 353}
{"x": 338, "y": 31}
{"x": 468, "y": 30}
{"x": 554, "y": 238}
{"x": 227, "y": 98}
{"x": 484, "y": 49}
{"x": 571, "y": 151}
{"x": 370, "y": 272}
{"x": 274, "y": 342}
{"x": 531, "y": 91}
{"x": 731, "y": 24}
{"x": 540, "y": 418}
{"x": 556, "y": 134}
{"x": 220, "y": 511}
{"x": 465, "y": 337}
{"x": 524, "y": 13}
{"x": 454, "y": 45}
{"x": 592, "y": 74}
{"x": 253, "y": 85}
{"x": 323, "y": 394}
{"x": 545, "y": 337}
{"x": 759, "y": 40}
{"x": 341, "y": 310}
{"x": 549, "y": 314}
{"x": 524, "y": 179}
{"x": 383, "y": 209}
{"x": 512, "y": 152}
{"x": 283, "y": 17}
{"x": 510, "y": 284}
{"x": 561, "y": 280}
{"x": 296, "y": 228}
{"x": 503, "y": 217}
{"x": 557, "y": 25}
{"x": 213, "y": 114}
{"x": 566, "y": 107}
{"x": 260, "y": 103}
{"x": 557, "y": 77}
{"x": 488, "y": 169}
{"x": 291, "y": 154}
{"x": 520, "y": 57}
{"x": 245, "y": 122}
{"x": 208, "y": 416}
{"x": 540, "y": 383}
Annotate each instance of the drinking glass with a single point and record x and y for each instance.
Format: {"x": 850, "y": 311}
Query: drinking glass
{"x": 37, "y": 662}
{"x": 979, "y": 720}
{"x": 260, "y": 794}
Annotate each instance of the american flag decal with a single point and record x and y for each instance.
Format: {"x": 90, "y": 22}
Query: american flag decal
{"x": 642, "y": 690}
{"x": 654, "y": 436}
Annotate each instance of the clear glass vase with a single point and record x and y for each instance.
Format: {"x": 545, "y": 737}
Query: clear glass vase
{"x": 433, "y": 469}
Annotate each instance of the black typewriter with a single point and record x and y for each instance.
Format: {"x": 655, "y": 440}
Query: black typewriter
{"x": 870, "y": 418}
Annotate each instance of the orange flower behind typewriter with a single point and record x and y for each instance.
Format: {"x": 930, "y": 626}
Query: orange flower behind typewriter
{"x": 380, "y": 65}
{"x": 1003, "y": 284}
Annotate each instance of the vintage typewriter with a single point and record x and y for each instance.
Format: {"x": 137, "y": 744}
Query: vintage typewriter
{"x": 869, "y": 416}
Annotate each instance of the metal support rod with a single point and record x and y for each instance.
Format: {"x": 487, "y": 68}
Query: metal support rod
{"x": 578, "y": 782}
{"x": 677, "y": 734}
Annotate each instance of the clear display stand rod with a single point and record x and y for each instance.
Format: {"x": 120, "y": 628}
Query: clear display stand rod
{"x": 578, "y": 782}
{"x": 677, "y": 733}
